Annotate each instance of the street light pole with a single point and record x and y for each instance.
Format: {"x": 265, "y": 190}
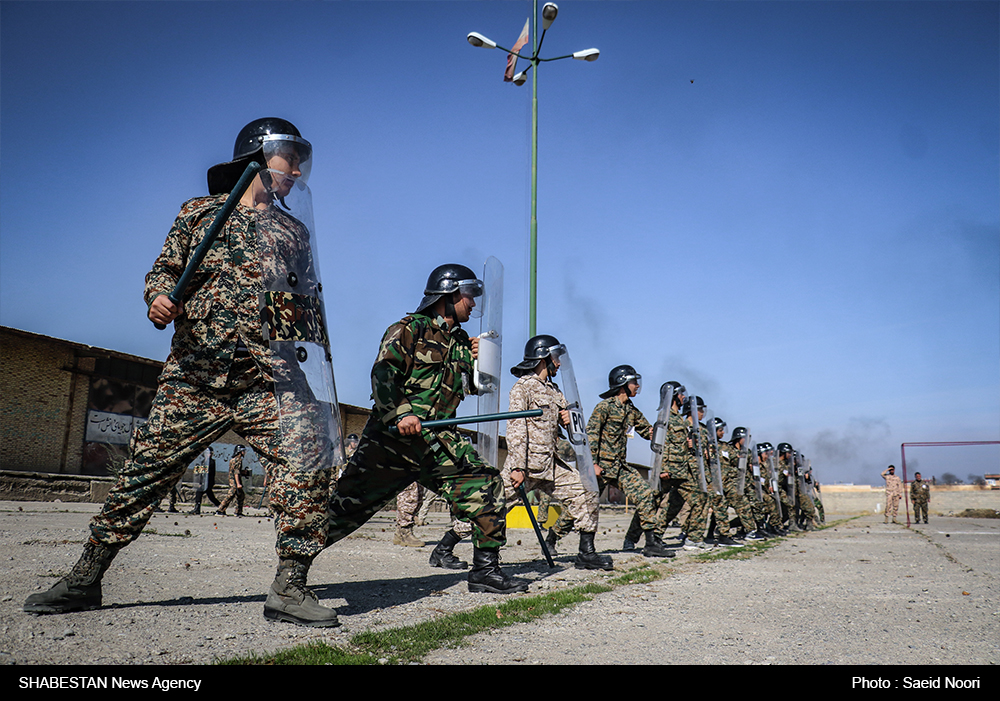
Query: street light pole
{"x": 549, "y": 12}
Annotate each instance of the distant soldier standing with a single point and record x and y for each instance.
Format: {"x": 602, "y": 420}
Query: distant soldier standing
{"x": 893, "y": 492}
{"x": 235, "y": 483}
{"x": 920, "y": 497}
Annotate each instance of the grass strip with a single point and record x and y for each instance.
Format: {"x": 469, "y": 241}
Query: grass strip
{"x": 410, "y": 643}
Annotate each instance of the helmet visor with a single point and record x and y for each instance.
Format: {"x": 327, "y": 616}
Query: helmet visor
{"x": 470, "y": 290}
{"x": 289, "y": 160}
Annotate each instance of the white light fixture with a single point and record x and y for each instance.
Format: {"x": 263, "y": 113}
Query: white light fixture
{"x": 477, "y": 39}
{"x": 587, "y": 55}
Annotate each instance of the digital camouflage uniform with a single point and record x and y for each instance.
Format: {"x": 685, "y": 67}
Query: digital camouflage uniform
{"x": 893, "y": 493}
{"x": 422, "y": 369}
{"x": 606, "y": 432}
{"x": 235, "y": 490}
{"x": 920, "y": 497}
{"x": 700, "y": 502}
{"x": 729, "y": 458}
{"x": 220, "y": 376}
{"x": 531, "y": 445}
{"x": 669, "y": 502}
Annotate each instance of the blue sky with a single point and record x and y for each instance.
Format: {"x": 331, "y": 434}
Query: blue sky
{"x": 791, "y": 207}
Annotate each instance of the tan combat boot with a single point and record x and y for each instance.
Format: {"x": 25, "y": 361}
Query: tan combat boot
{"x": 404, "y": 536}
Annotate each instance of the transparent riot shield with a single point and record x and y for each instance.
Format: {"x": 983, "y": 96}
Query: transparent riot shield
{"x": 714, "y": 464}
{"x": 487, "y": 366}
{"x": 772, "y": 467}
{"x": 659, "y": 437}
{"x": 199, "y": 473}
{"x": 741, "y": 474}
{"x": 294, "y": 325}
{"x": 576, "y": 432}
{"x": 755, "y": 471}
{"x": 698, "y": 442}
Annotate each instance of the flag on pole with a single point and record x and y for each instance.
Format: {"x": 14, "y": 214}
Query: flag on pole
{"x": 508, "y": 75}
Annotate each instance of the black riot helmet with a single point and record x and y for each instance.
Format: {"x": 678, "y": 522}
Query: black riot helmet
{"x": 784, "y": 448}
{"x": 738, "y": 433}
{"x": 619, "y": 377}
{"x": 719, "y": 423}
{"x": 686, "y": 408}
{"x": 447, "y": 279}
{"x": 537, "y": 348}
{"x": 260, "y": 141}
{"x": 680, "y": 391}
{"x": 764, "y": 447}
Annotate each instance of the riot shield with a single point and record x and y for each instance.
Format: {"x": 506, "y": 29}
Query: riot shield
{"x": 755, "y": 470}
{"x": 775, "y": 487}
{"x": 487, "y": 367}
{"x": 741, "y": 476}
{"x": 576, "y": 432}
{"x": 698, "y": 443}
{"x": 660, "y": 435}
{"x": 714, "y": 464}
{"x": 294, "y": 325}
{"x": 199, "y": 473}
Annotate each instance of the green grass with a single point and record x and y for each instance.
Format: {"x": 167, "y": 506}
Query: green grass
{"x": 410, "y": 643}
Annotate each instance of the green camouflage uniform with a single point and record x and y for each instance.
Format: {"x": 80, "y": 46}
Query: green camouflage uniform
{"x": 729, "y": 457}
{"x": 422, "y": 369}
{"x": 669, "y": 502}
{"x": 219, "y": 377}
{"x": 700, "y": 502}
{"x": 606, "y": 431}
{"x": 920, "y": 496}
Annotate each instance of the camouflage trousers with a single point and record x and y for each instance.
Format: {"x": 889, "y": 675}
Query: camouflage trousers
{"x": 919, "y": 507}
{"x": 408, "y": 503}
{"x": 385, "y": 464}
{"x": 638, "y": 491}
{"x": 582, "y": 506}
{"x": 668, "y": 505}
{"x": 700, "y": 504}
{"x": 891, "y": 506}
{"x": 741, "y": 506}
{"x": 185, "y": 419}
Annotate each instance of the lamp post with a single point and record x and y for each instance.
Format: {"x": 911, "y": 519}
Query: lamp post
{"x": 549, "y": 12}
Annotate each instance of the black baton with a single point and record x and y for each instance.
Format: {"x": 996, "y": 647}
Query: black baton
{"x": 534, "y": 523}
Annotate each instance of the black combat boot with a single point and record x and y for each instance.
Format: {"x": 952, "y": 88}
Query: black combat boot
{"x": 654, "y": 547}
{"x": 486, "y": 575}
{"x": 443, "y": 555}
{"x": 291, "y": 601}
{"x": 80, "y": 590}
{"x": 588, "y": 559}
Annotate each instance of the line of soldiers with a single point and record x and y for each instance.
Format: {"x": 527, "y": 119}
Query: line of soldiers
{"x": 696, "y": 476}
{"x": 237, "y": 277}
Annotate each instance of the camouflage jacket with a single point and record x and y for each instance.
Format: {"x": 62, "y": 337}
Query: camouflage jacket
{"x": 920, "y": 491}
{"x": 531, "y": 443}
{"x": 893, "y": 485}
{"x": 606, "y": 431}
{"x": 222, "y": 303}
{"x": 729, "y": 459}
{"x": 422, "y": 369}
{"x": 675, "y": 447}
{"x": 235, "y": 465}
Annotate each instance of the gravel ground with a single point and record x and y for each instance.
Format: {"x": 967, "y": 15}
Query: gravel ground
{"x": 191, "y": 590}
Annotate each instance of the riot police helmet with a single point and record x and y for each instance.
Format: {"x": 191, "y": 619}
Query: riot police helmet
{"x": 619, "y": 378}
{"x": 784, "y": 448}
{"x": 273, "y": 142}
{"x": 679, "y": 391}
{"x": 537, "y": 348}
{"x": 738, "y": 433}
{"x": 686, "y": 407}
{"x": 447, "y": 279}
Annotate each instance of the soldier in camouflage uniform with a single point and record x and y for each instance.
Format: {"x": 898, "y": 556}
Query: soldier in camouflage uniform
{"x": 920, "y": 497}
{"x": 893, "y": 492}
{"x": 669, "y": 500}
{"x": 606, "y": 433}
{"x": 729, "y": 456}
{"x": 699, "y": 502}
{"x": 235, "y": 483}
{"x": 221, "y": 375}
{"x": 532, "y": 459}
{"x": 422, "y": 372}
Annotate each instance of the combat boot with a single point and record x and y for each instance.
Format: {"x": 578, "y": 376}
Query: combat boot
{"x": 404, "y": 536}
{"x": 291, "y": 601}
{"x": 486, "y": 575}
{"x": 80, "y": 590}
{"x": 588, "y": 559}
{"x": 654, "y": 547}
{"x": 443, "y": 555}
{"x": 550, "y": 542}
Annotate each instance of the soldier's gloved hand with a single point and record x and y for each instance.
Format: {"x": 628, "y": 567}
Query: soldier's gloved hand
{"x": 408, "y": 426}
{"x": 163, "y": 311}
